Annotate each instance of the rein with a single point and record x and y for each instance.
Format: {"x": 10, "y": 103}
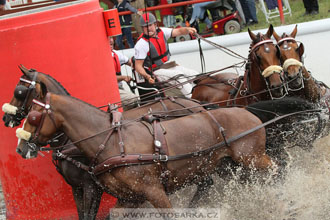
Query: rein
{"x": 142, "y": 159}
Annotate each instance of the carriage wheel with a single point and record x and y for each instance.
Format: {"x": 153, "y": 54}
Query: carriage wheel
{"x": 232, "y": 26}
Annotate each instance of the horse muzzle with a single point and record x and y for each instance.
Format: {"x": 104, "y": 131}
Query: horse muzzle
{"x": 28, "y": 150}
{"x": 10, "y": 120}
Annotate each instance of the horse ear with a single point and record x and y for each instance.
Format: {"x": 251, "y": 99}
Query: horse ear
{"x": 44, "y": 90}
{"x": 301, "y": 50}
{"x": 270, "y": 31}
{"x": 23, "y": 69}
{"x": 294, "y": 32}
{"x": 252, "y": 35}
{"x": 277, "y": 38}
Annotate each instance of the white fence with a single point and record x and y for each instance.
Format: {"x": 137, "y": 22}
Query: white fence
{"x": 314, "y": 35}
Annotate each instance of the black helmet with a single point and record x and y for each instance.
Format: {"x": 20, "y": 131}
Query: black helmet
{"x": 147, "y": 19}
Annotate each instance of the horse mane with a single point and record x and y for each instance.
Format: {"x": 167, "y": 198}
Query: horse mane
{"x": 77, "y": 99}
{"x": 52, "y": 79}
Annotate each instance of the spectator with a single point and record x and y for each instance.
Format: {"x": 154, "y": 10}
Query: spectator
{"x": 4, "y": 5}
{"x": 125, "y": 23}
{"x": 138, "y": 4}
{"x": 152, "y": 52}
{"x": 199, "y": 10}
{"x": 250, "y": 12}
{"x": 167, "y": 14}
{"x": 127, "y": 98}
{"x": 311, "y": 6}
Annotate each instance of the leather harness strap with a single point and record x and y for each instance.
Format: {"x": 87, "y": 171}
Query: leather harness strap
{"x": 221, "y": 129}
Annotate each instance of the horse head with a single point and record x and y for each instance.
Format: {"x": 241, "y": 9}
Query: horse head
{"x": 31, "y": 85}
{"x": 38, "y": 128}
{"x": 291, "y": 58}
{"x": 28, "y": 88}
{"x": 265, "y": 72}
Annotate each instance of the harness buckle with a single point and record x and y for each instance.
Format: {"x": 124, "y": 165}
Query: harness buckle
{"x": 163, "y": 158}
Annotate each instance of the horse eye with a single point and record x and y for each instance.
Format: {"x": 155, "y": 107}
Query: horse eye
{"x": 20, "y": 92}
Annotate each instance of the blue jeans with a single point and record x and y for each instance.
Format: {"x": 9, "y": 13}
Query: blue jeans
{"x": 249, "y": 10}
{"x": 119, "y": 39}
{"x": 198, "y": 12}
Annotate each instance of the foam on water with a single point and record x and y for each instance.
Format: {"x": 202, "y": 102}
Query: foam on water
{"x": 303, "y": 193}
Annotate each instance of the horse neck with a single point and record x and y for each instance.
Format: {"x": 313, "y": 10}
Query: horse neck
{"x": 311, "y": 89}
{"x": 256, "y": 81}
{"x": 79, "y": 121}
{"x": 52, "y": 85}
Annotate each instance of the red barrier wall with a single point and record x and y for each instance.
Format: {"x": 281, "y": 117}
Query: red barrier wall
{"x": 70, "y": 44}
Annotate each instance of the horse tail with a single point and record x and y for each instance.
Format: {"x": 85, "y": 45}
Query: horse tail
{"x": 267, "y": 110}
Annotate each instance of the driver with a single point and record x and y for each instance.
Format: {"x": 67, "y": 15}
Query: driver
{"x": 152, "y": 55}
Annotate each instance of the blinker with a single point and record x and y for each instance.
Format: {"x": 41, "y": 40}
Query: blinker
{"x": 20, "y": 92}
{"x": 34, "y": 118}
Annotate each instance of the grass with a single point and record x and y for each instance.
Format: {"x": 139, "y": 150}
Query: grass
{"x": 297, "y": 10}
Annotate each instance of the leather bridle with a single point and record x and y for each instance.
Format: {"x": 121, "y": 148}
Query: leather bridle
{"x": 36, "y": 118}
{"x": 253, "y": 56}
{"x": 285, "y": 41}
{"x": 24, "y": 93}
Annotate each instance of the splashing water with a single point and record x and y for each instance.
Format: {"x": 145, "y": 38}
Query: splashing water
{"x": 302, "y": 194}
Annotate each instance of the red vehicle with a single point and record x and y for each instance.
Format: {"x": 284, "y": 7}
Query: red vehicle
{"x": 225, "y": 19}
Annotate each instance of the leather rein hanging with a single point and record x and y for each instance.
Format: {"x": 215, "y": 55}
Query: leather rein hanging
{"x": 160, "y": 155}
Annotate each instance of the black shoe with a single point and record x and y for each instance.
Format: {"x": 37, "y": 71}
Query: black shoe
{"x": 251, "y": 22}
{"x": 306, "y": 13}
{"x": 314, "y": 12}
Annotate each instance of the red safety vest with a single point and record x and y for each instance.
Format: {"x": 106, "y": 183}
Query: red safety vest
{"x": 159, "y": 52}
{"x": 116, "y": 63}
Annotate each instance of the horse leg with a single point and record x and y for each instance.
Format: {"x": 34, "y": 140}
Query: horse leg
{"x": 92, "y": 199}
{"x": 202, "y": 188}
{"x": 78, "y": 195}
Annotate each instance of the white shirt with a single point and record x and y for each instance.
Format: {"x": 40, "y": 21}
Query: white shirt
{"x": 142, "y": 46}
{"x": 122, "y": 58}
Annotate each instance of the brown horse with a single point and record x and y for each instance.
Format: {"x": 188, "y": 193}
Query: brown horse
{"x": 299, "y": 80}
{"x": 262, "y": 79}
{"x": 137, "y": 162}
{"x": 86, "y": 193}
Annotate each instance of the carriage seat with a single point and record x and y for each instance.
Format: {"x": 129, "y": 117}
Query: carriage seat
{"x": 222, "y": 5}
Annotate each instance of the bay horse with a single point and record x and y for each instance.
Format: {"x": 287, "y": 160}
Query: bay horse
{"x": 301, "y": 83}
{"x": 136, "y": 162}
{"x": 262, "y": 79}
{"x": 87, "y": 194}
{"x": 299, "y": 80}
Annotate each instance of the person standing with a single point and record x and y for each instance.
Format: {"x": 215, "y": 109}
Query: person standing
{"x": 4, "y": 5}
{"x": 167, "y": 14}
{"x": 127, "y": 98}
{"x": 138, "y": 4}
{"x": 152, "y": 55}
{"x": 125, "y": 23}
{"x": 250, "y": 11}
{"x": 311, "y": 6}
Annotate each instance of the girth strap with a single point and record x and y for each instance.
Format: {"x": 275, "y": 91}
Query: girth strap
{"x": 159, "y": 138}
{"x": 116, "y": 118}
{"x": 221, "y": 129}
